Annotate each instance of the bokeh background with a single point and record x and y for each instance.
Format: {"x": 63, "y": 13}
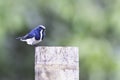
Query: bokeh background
{"x": 91, "y": 25}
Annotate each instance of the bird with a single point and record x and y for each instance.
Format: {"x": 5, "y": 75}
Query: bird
{"x": 35, "y": 36}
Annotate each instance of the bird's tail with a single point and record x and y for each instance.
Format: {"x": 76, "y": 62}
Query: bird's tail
{"x": 19, "y": 38}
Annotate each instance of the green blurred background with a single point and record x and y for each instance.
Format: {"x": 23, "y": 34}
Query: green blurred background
{"x": 92, "y": 25}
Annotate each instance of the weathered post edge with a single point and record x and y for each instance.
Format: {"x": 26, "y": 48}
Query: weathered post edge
{"x": 56, "y": 63}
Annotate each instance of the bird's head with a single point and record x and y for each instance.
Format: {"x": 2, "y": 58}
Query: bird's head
{"x": 41, "y": 27}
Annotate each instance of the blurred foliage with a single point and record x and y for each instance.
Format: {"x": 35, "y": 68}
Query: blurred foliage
{"x": 92, "y": 25}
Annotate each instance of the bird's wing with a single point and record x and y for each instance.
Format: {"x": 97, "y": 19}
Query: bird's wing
{"x": 28, "y": 36}
{"x": 36, "y": 33}
{"x": 33, "y": 33}
{"x": 37, "y": 36}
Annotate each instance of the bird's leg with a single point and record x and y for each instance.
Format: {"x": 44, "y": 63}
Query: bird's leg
{"x": 35, "y": 45}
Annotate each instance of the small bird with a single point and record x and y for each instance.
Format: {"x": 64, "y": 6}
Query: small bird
{"x": 34, "y": 36}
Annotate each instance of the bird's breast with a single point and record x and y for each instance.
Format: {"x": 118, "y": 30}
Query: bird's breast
{"x": 32, "y": 41}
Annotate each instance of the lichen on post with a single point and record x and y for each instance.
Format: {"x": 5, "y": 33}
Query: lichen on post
{"x": 56, "y": 63}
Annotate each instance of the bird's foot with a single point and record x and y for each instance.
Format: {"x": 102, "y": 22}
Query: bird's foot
{"x": 35, "y": 45}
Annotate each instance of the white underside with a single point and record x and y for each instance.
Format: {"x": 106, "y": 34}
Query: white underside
{"x": 32, "y": 41}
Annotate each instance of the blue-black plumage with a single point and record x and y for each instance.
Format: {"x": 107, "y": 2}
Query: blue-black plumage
{"x": 34, "y": 36}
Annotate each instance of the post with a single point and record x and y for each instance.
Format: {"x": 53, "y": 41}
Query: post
{"x": 56, "y": 63}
